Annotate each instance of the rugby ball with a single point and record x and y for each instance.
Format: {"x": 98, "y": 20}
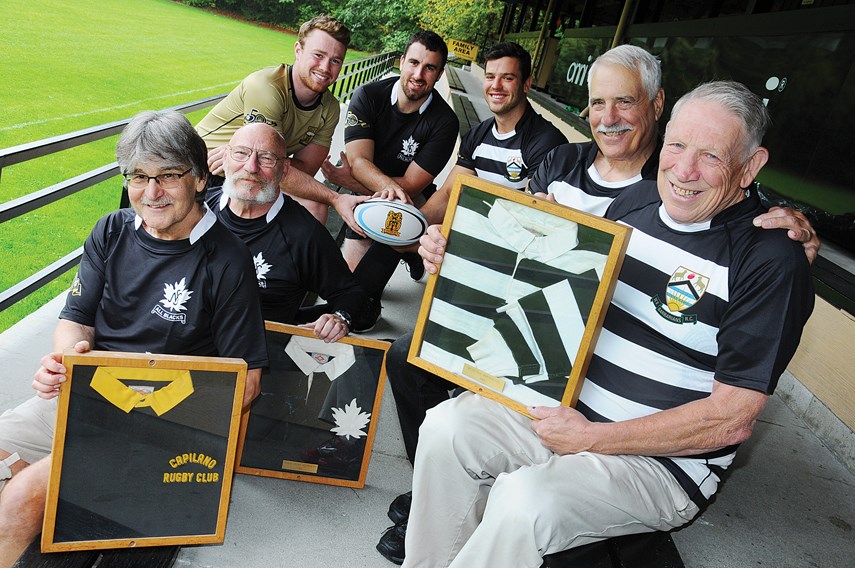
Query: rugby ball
{"x": 392, "y": 223}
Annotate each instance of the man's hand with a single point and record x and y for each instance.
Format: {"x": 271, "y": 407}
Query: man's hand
{"x": 432, "y": 248}
{"x": 560, "y": 429}
{"x": 797, "y": 225}
{"x": 215, "y": 160}
{"x": 329, "y": 328}
{"x": 340, "y": 175}
{"x": 393, "y": 193}
{"x": 344, "y": 203}
{"x": 253, "y": 386}
{"x": 51, "y": 372}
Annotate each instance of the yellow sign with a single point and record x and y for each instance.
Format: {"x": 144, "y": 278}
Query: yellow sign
{"x": 462, "y": 50}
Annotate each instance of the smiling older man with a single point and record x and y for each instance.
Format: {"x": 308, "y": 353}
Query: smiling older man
{"x": 672, "y": 388}
{"x": 169, "y": 238}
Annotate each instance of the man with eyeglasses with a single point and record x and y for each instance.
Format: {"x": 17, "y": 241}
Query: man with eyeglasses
{"x": 296, "y": 101}
{"x": 163, "y": 277}
{"x": 292, "y": 252}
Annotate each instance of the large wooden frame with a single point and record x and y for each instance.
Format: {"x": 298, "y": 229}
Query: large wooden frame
{"x": 517, "y": 305}
{"x": 287, "y": 433}
{"x": 132, "y": 468}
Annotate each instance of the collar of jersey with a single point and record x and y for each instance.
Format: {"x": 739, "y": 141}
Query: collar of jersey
{"x": 271, "y": 214}
{"x": 206, "y": 222}
{"x": 514, "y": 223}
{"x": 299, "y": 348}
{"x": 394, "y": 97}
{"x": 106, "y": 382}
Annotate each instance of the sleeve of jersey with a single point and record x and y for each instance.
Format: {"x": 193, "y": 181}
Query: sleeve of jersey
{"x": 465, "y": 158}
{"x": 238, "y": 324}
{"x": 434, "y": 155}
{"x": 261, "y": 98}
{"x": 543, "y": 174}
{"x": 324, "y": 271}
{"x": 544, "y": 142}
{"x": 769, "y": 305}
{"x": 82, "y": 300}
{"x": 359, "y": 123}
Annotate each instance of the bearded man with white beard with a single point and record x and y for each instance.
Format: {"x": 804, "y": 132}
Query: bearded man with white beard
{"x": 292, "y": 252}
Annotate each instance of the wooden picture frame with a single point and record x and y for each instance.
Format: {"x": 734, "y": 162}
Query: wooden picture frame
{"x": 519, "y": 299}
{"x": 144, "y": 451}
{"x": 318, "y": 409}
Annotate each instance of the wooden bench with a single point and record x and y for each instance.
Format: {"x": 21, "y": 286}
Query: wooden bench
{"x": 465, "y": 111}
{"x": 150, "y": 557}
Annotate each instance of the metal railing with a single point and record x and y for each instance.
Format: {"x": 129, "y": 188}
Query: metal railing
{"x": 353, "y": 74}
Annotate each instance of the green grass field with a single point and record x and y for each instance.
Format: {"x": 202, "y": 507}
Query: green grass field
{"x": 73, "y": 65}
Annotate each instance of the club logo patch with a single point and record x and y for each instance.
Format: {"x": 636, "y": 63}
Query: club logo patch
{"x": 685, "y": 288}
{"x": 393, "y": 223}
{"x": 76, "y": 286}
{"x": 351, "y": 119}
{"x": 174, "y": 297}
{"x": 514, "y": 167}
{"x": 255, "y": 116}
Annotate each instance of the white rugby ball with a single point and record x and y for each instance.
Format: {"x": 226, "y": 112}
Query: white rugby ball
{"x": 390, "y": 222}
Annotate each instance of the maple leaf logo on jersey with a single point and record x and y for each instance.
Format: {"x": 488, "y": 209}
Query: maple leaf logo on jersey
{"x": 261, "y": 269}
{"x": 351, "y": 421}
{"x": 408, "y": 149}
{"x": 174, "y": 297}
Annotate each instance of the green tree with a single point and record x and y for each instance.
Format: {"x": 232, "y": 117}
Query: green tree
{"x": 465, "y": 20}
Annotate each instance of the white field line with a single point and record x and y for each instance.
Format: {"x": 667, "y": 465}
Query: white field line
{"x": 96, "y": 111}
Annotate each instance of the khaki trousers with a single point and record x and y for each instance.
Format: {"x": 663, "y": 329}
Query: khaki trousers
{"x": 487, "y": 493}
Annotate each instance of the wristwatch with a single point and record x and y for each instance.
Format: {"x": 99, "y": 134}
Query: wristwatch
{"x": 345, "y": 317}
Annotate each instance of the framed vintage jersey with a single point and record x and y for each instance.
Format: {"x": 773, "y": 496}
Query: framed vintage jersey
{"x": 520, "y": 296}
{"x": 318, "y": 409}
{"x": 144, "y": 450}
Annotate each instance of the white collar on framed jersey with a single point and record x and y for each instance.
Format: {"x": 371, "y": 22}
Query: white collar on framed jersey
{"x": 394, "y": 97}
{"x": 271, "y": 214}
{"x": 301, "y": 350}
{"x": 206, "y": 222}
{"x": 542, "y": 236}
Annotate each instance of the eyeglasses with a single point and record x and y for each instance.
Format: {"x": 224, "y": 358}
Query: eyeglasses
{"x": 242, "y": 154}
{"x": 165, "y": 181}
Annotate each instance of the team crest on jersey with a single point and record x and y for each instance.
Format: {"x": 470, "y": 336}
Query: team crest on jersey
{"x": 409, "y": 147}
{"x": 684, "y": 290}
{"x": 174, "y": 297}
{"x": 76, "y": 286}
{"x": 261, "y": 269}
{"x": 255, "y": 116}
{"x": 514, "y": 167}
{"x": 393, "y": 223}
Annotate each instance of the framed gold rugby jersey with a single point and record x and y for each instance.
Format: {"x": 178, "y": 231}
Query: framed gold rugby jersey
{"x": 144, "y": 451}
{"x": 318, "y": 409}
{"x": 519, "y": 300}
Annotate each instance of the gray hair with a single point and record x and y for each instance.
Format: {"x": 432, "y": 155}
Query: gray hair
{"x": 162, "y": 136}
{"x": 739, "y": 100}
{"x": 635, "y": 59}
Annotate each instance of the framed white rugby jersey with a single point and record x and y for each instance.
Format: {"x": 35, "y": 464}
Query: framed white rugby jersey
{"x": 519, "y": 299}
{"x": 318, "y": 409}
{"x": 144, "y": 450}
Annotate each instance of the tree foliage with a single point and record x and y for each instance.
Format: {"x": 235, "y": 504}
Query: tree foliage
{"x": 466, "y": 20}
{"x": 375, "y": 26}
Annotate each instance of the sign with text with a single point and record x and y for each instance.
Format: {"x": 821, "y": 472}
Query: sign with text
{"x": 462, "y": 50}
